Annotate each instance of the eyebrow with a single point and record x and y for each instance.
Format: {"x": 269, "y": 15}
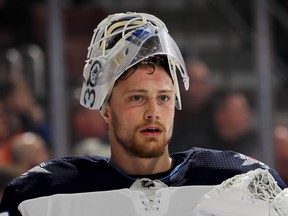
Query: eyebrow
{"x": 145, "y": 91}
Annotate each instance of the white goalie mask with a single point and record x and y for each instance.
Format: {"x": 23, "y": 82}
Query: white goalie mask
{"x": 121, "y": 41}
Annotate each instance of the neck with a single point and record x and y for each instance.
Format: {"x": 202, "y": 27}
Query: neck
{"x": 141, "y": 166}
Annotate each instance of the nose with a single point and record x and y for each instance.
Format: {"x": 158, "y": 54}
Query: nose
{"x": 152, "y": 110}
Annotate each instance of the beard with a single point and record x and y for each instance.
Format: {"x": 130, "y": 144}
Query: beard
{"x": 136, "y": 145}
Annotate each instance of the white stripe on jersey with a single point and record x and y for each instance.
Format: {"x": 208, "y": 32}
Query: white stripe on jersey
{"x": 168, "y": 201}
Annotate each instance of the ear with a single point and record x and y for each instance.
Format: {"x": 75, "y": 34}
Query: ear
{"x": 106, "y": 113}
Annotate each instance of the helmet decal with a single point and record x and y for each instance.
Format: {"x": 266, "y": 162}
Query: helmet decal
{"x": 95, "y": 74}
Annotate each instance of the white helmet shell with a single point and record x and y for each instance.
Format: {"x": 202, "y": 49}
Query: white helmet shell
{"x": 121, "y": 41}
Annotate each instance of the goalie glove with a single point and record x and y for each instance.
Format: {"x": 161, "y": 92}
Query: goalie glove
{"x": 252, "y": 193}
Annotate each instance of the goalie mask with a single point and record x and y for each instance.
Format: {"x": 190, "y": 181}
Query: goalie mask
{"x": 121, "y": 41}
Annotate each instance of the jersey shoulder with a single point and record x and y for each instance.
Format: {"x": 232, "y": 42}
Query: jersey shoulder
{"x": 63, "y": 175}
{"x": 208, "y": 166}
{"x": 216, "y": 159}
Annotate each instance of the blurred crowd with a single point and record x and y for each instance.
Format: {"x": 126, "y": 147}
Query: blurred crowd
{"x": 214, "y": 118}
{"x": 24, "y": 131}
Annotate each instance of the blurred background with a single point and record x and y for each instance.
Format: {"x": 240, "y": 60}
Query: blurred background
{"x": 236, "y": 54}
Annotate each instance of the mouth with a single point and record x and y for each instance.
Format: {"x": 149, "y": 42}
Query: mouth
{"x": 151, "y": 131}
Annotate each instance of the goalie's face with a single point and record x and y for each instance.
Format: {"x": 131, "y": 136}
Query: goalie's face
{"x": 140, "y": 113}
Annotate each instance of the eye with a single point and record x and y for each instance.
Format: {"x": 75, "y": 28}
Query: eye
{"x": 164, "y": 98}
{"x": 136, "y": 98}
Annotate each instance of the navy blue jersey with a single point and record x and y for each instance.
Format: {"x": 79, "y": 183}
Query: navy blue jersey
{"x": 92, "y": 173}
